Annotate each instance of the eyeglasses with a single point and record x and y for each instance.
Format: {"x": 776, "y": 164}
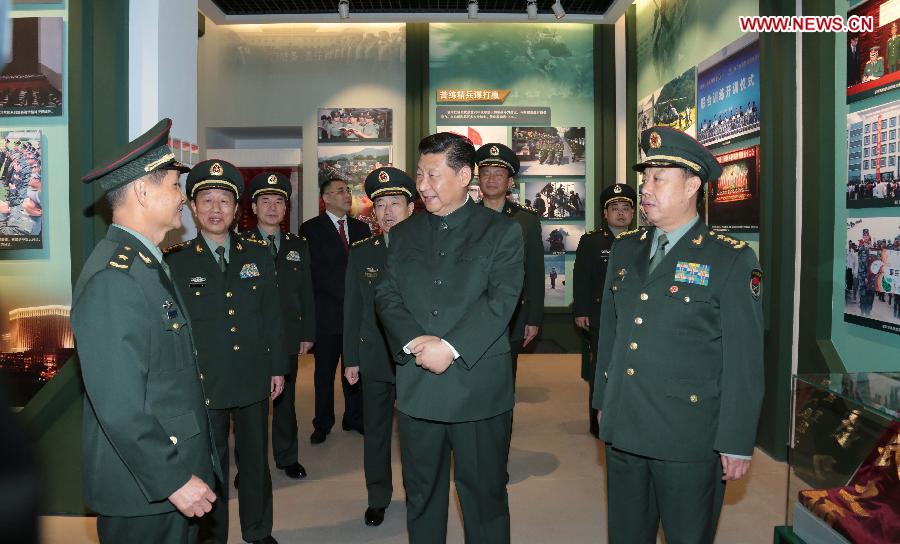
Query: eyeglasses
{"x": 341, "y": 191}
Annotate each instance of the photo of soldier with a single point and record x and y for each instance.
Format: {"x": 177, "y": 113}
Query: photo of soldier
{"x": 676, "y": 104}
{"x": 348, "y": 125}
{"x": 561, "y": 238}
{"x": 557, "y": 200}
{"x": 873, "y": 58}
{"x": 554, "y": 280}
{"x": 873, "y": 157}
{"x": 546, "y": 151}
{"x": 32, "y": 82}
{"x": 352, "y": 164}
{"x": 872, "y": 274}
{"x": 21, "y": 190}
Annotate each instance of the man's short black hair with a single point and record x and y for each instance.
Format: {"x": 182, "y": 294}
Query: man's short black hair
{"x": 459, "y": 149}
{"x": 327, "y": 184}
{"x": 116, "y": 197}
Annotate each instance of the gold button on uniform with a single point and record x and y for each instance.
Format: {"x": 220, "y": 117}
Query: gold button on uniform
{"x": 175, "y": 326}
{"x": 694, "y": 399}
{"x": 237, "y": 347}
{"x": 207, "y": 402}
{"x": 229, "y": 294}
{"x": 614, "y": 289}
{"x": 233, "y": 329}
{"x": 201, "y": 375}
{"x": 638, "y": 321}
{"x": 633, "y": 346}
{"x": 174, "y": 439}
{"x": 687, "y": 299}
{"x": 197, "y": 293}
{"x": 630, "y": 372}
{"x": 231, "y": 311}
{"x": 644, "y": 296}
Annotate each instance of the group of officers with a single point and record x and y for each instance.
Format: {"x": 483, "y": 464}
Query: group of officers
{"x": 430, "y": 315}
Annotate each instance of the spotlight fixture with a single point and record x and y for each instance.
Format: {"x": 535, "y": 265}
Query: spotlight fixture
{"x": 473, "y": 9}
{"x": 558, "y": 10}
{"x": 344, "y": 9}
{"x": 531, "y": 9}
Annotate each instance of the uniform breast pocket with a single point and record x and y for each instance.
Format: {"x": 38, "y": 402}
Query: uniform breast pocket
{"x": 693, "y": 392}
{"x": 691, "y": 308}
{"x": 201, "y": 304}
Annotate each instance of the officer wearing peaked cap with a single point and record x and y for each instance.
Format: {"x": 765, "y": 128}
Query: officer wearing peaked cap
{"x": 677, "y": 292}
{"x": 618, "y": 202}
{"x": 497, "y": 168}
{"x": 366, "y": 353}
{"x": 230, "y": 289}
{"x": 269, "y": 194}
{"x": 149, "y": 458}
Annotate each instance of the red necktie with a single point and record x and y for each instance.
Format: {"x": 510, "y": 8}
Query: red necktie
{"x": 343, "y": 234}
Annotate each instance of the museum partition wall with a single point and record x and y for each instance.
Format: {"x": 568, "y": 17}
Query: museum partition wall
{"x": 282, "y": 96}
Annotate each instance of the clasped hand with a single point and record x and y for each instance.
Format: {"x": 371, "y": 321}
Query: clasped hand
{"x": 431, "y": 353}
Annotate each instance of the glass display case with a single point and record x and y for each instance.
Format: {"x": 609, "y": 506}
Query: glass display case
{"x": 844, "y": 458}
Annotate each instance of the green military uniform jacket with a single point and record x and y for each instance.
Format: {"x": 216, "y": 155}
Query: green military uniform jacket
{"x": 589, "y": 275}
{"x": 530, "y": 310}
{"x": 295, "y": 290}
{"x": 238, "y": 329}
{"x": 145, "y": 427}
{"x": 679, "y": 371}
{"x": 893, "y": 53}
{"x": 874, "y": 68}
{"x": 364, "y": 341}
{"x": 459, "y": 278}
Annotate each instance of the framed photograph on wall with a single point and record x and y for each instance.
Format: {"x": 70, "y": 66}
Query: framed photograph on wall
{"x": 22, "y": 195}
{"x": 355, "y": 125}
{"x": 479, "y": 135}
{"x": 556, "y": 199}
{"x": 873, "y": 157}
{"x": 733, "y": 199}
{"x": 728, "y": 101}
{"x": 873, "y": 56}
{"x": 32, "y": 82}
{"x": 554, "y": 280}
{"x": 559, "y": 238}
{"x": 549, "y": 151}
{"x": 872, "y": 273}
{"x": 352, "y": 164}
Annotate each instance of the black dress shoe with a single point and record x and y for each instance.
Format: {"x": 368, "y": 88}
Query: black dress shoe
{"x": 295, "y": 471}
{"x": 318, "y": 436}
{"x": 267, "y": 540}
{"x": 374, "y": 516}
{"x": 358, "y": 428}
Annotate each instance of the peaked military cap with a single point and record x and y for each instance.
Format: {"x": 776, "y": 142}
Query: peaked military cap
{"x": 214, "y": 174}
{"x": 147, "y": 153}
{"x": 270, "y": 183}
{"x": 618, "y": 192}
{"x": 495, "y": 154}
{"x": 390, "y": 181}
{"x": 668, "y": 147}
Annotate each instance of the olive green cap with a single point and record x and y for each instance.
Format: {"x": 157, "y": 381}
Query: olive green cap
{"x": 668, "y": 147}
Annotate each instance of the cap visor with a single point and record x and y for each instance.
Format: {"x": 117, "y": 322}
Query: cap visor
{"x": 175, "y": 165}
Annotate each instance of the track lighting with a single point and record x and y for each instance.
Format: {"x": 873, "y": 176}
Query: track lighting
{"x": 473, "y": 9}
{"x": 344, "y": 9}
{"x": 531, "y": 9}
{"x": 558, "y": 10}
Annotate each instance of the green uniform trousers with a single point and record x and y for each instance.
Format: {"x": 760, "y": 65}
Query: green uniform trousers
{"x": 687, "y": 497}
{"x": 168, "y": 528}
{"x": 284, "y": 420}
{"x": 479, "y": 467}
{"x": 255, "y": 492}
{"x": 378, "y": 418}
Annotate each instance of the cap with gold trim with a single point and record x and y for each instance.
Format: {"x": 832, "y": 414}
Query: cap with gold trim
{"x": 618, "y": 192}
{"x": 390, "y": 181}
{"x": 147, "y": 153}
{"x": 214, "y": 174}
{"x": 269, "y": 183}
{"x": 668, "y": 147}
{"x": 495, "y": 154}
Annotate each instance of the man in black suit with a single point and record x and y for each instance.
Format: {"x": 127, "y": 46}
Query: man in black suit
{"x": 330, "y": 235}
{"x": 852, "y": 60}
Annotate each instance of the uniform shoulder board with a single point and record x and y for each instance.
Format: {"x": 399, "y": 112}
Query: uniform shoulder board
{"x": 177, "y": 247}
{"x": 727, "y": 240}
{"x": 256, "y": 241}
{"x": 629, "y": 233}
{"x": 361, "y": 242}
{"x": 122, "y": 257}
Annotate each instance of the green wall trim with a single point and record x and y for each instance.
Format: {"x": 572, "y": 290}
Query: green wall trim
{"x": 417, "y": 93}
{"x": 631, "y": 135}
{"x": 604, "y": 115}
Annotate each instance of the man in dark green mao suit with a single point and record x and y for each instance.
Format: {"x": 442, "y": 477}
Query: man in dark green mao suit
{"x": 230, "y": 289}
{"x": 366, "y": 355}
{"x": 679, "y": 379}
{"x": 149, "y": 459}
{"x": 497, "y": 168}
{"x": 269, "y": 194}
{"x": 451, "y": 281}
{"x": 589, "y": 274}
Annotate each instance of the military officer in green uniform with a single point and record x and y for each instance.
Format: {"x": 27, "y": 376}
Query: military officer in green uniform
{"x": 452, "y": 278}
{"x": 893, "y": 50}
{"x": 366, "y": 354}
{"x": 149, "y": 459}
{"x": 679, "y": 379}
{"x": 874, "y": 68}
{"x": 269, "y": 194}
{"x": 497, "y": 168}
{"x": 231, "y": 293}
{"x": 589, "y": 274}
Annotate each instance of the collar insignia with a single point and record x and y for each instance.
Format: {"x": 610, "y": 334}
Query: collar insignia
{"x": 698, "y": 240}
{"x": 144, "y": 258}
{"x": 644, "y": 236}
